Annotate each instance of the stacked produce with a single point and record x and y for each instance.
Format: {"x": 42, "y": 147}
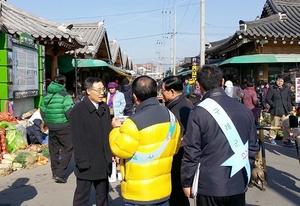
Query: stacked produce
{"x": 8, "y": 117}
{"x": 15, "y": 153}
{"x": 3, "y": 147}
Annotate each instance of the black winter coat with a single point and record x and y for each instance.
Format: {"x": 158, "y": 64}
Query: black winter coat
{"x": 90, "y": 130}
{"x": 127, "y": 91}
{"x": 206, "y": 143}
{"x": 279, "y": 100}
{"x": 180, "y": 107}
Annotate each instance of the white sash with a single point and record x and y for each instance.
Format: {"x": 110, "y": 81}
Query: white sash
{"x": 239, "y": 159}
{"x": 141, "y": 158}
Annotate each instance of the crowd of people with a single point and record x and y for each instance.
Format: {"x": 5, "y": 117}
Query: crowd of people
{"x": 124, "y": 132}
{"x": 276, "y": 100}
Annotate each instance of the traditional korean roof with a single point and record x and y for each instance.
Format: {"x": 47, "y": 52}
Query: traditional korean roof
{"x": 16, "y": 21}
{"x": 279, "y": 21}
{"x": 125, "y": 60}
{"x": 94, "y": 34}
{"x": 130, "y": 64}
{"x": 115, "y": 50}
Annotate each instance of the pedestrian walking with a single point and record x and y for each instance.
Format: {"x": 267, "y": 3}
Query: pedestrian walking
{"x": 180, "y": 106}
{"x": 279, "y": 99}
{"x": 90, "y": 126}
{"x": 146, "y": 143}
{"x": 250, "y": 100}
{"x": 221, "y": 135}
{"x": 55, "y": 110}
{"x": 187, "y": 89}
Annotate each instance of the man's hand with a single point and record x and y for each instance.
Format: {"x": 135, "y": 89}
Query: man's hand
{"x": 115, "y": 122}
{"x": 187, "y": 191}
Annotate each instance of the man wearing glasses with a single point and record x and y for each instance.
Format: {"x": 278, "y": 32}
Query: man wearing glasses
{"x": 90, "y": 127}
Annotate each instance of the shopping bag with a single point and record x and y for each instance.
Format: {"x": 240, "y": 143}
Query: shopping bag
{"x": 195, "y": 181}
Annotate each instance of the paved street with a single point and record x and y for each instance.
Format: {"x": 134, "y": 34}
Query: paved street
{"x": 36, "y": 188}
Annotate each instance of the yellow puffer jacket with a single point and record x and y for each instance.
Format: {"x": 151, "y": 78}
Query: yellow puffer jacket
{"x": 147, "y": 181}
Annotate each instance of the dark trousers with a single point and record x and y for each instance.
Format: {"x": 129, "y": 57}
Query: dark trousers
{"x": 177, "y": 197}
{"x": 235, "y": 200}
{"x": 83, "y": 189}
{"x": 60, "y": 149}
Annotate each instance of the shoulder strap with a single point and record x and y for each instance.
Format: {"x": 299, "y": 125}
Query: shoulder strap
{"x": 140, "y": 158}
{"x": 240, "y": 158}
{"x": 49, "y": 100}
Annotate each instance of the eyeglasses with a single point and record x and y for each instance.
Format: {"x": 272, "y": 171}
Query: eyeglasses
{"x": 100, "y": 90}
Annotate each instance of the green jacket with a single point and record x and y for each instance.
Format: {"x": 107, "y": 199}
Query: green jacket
{"x": 56, "y": 106}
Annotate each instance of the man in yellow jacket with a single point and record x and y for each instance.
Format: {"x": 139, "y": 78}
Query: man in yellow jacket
{"x": 146, "y": 143}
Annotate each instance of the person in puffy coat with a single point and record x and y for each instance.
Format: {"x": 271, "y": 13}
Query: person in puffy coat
{"x": 115, "y": 100}
{"x": 55, "y": 111}
{"x": 146, "y": 143}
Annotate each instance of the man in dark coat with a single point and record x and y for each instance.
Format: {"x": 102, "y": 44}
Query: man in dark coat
{"x": 226, "y": 159}
{"x": 90, "y": 126}
{"x": 177, "y": 102}
{"x": 127, "y": 91}
{"x": 279, "y": 99}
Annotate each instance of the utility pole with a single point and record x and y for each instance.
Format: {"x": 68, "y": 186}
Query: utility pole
{"x": 202, "y": 34}
{"x": 174, "y": 43}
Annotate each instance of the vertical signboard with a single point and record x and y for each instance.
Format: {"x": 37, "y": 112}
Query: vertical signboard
{"x": 25, "y": 67}
{"x": 195, "y": 67}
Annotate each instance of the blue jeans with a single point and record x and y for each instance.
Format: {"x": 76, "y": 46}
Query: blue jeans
{"x": 166, "y": 203}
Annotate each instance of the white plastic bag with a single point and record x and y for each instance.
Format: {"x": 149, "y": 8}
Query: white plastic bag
{"x": 195, "y": 181}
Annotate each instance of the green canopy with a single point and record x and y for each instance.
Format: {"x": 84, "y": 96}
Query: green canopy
{"x": 99, "y": 63}
{"x": 184, "y": 72}
{"x": 262, "y": 58}
{"x": 89, "y": 63}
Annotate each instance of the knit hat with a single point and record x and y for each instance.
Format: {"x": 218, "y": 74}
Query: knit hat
{"x": 112, "y": 85}
{"x": 228, "y": 83}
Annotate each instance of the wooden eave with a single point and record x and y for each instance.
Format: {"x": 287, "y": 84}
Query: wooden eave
{"x": 116, "y": 55}
{"x": 279, "y": 21}
{"x": 16, "y": 21}
{"x": 95, "y": 35}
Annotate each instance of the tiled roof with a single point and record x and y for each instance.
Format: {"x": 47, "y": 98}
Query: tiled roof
{"x": 92, "y": 32}
{"x": 114, "y": 49}
{"x": 16, "y": 21}
{"x": 279, "y": 19}
{"x": 130, "y": 64}
{"x": 125, "y": 60}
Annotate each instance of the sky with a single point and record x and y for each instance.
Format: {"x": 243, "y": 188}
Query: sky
{"x": 145, "y": 28}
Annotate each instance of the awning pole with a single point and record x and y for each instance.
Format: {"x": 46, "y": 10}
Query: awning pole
{"x": 76, "y": 75}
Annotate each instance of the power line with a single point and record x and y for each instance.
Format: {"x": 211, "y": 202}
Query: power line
{"x": 120, "y": 14}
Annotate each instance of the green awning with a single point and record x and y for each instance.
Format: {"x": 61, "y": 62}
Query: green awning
{"x": 184, "y": 73}
{"x": 89, "y": 63}
{"x": 99, "y": 63}
{"x": 262, "y": 58}
{"x": 64, "y": 64}
{"x": 120, "y": 71}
